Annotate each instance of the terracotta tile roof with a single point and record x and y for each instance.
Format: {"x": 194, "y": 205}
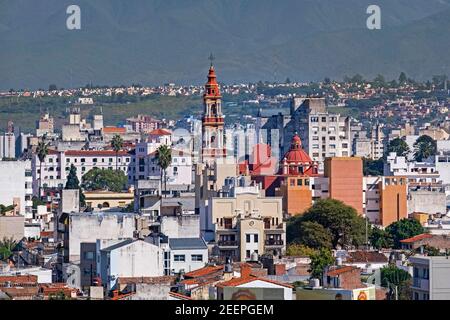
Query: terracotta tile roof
{"x": 114, "y": 130}
{"x": 340, "y": 270}
{"x": 122, "y": 296}
{"x": 97, "y": 153}
{"x": 417, "y": 238}
{"x": 243, "y": 280}
{"x": 19, "y": 280}
{"x": 147, "y": 280}
{"x": 179, "y": 296}
{"x": 203, "y": 271}
{"x": 160, "y": 132}
{"x": 363, "y": 256}
{"x": 21, "y": 292}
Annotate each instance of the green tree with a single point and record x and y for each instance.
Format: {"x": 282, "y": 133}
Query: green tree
{"x": 380, "y": 238}
{"x": 357, "y": 78}
{"x": 298, "y": 250}
{"x": 346, "y": 227}
{"x": 424, "y": 148}
{"x": 373, "y": 167}
{"x": 404, "y": 229}
{"x": 73, "y": 184}
{"x": 393, "y": 276}
{"x": 314, "y": 235}
{"x": 60, "y": 295}
{"x": 402, "y": 79}
{"x": 52, "y": 87}
{"x": 379, "y": 81}
{"x": 110, "y": 180}
{"x": 4, "y": 209}
{"x": 7, "y": 246}
{"x": 41, "y": 152}
{"x": 319, "y": 261}
{"x": 164, "y": 158}
{"x": 117, "y": 145}
{"x": 399, "y": 146}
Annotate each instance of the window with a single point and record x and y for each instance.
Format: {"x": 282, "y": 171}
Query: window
{"x": 255, "y": 237}
{"x": 228, "y": 223}
{"x": 247, "y": 238}
{"x": 89, "y": 255}
{"x": 179, "y": 257}
{"x": 197, "y": 257}
{"x": 247, "y": 254}
{"x": 299, "y": 182}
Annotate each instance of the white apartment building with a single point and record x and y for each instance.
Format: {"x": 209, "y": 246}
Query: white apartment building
{"x": 417, "y": 173}
{"x": 127, "y": 258}
{"x": 8, "y": 145}
{"x": 431, "y": 278}
{"x": 16, "y": 186}
{"x": 186, "y": 254}
{"x": 56, "y": 165}
{"x": 329, "y": 135}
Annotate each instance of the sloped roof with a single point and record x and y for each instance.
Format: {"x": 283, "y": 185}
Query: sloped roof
{"x": 243, "y": 280}
{"x": 417, "y": 238}
{"x": 340, "y": 270}
{"x": 203, "y": 271}
{"x": 366, "y": 256}
{"x": 119, "y": 245}
{"x": 187, "y": 243}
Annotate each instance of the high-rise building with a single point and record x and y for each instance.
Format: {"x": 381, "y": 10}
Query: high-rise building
{"x": 323, "y": 134}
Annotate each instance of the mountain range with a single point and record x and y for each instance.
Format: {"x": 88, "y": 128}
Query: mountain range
{"x": 157, "y": 41}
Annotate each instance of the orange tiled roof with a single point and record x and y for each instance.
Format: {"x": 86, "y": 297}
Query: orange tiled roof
{"x": 203, "y": 271}
{"x": 95, "y": 153}
{"x": 28, "y": 279}
{"x": 243, "y": 280}
{"x": 114, "y": 130}
{"x": 179, "y": 296}
{"x": 340, "y": 270}
{"x": 417, "y": 238}
{"x": 146, "y": 280}
{"x": 160, "y": 132}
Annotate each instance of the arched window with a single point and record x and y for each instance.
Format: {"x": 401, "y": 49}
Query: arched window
{"x": 105, "y": 205}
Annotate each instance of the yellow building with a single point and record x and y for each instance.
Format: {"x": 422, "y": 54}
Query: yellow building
{"x": 105, "y": 200}
{"x": 245, "y": 222}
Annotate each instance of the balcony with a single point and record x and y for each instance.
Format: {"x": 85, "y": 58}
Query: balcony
{"x": 228, "y": 243}
{"x": 274, "y": 242}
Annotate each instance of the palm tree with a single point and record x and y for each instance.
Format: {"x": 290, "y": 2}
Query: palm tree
{"x": 164, "y": 157}
{"x": 7, "y": 247}
{"x": 424, "y": 147}
{"x": 41, "y": 152}
{"x": 117, "y": 145}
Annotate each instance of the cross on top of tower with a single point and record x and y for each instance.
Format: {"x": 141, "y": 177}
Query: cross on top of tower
{"x": 211, "y": 58}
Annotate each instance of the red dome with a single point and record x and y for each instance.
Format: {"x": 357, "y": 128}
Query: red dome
{"x": 296, "y": 154}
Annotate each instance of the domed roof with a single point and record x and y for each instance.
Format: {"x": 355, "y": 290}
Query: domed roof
{"x": 296, "y": 154}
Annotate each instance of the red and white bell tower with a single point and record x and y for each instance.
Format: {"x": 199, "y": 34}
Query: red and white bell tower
{"x": 213, "y": 142}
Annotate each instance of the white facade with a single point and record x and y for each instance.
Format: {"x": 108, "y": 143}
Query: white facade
{"x": 16, "y": 186}
{"x": 268, "y": 285}
{"x": 56, "y": 165}
{"x": 88, "y": 228}
{"x": 130, "y": 258}
{"x": 329, "y": 136}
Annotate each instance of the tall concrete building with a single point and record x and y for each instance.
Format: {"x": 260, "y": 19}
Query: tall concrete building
{"x": 346, "y": 181}
{"x": 323, "y": 134}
